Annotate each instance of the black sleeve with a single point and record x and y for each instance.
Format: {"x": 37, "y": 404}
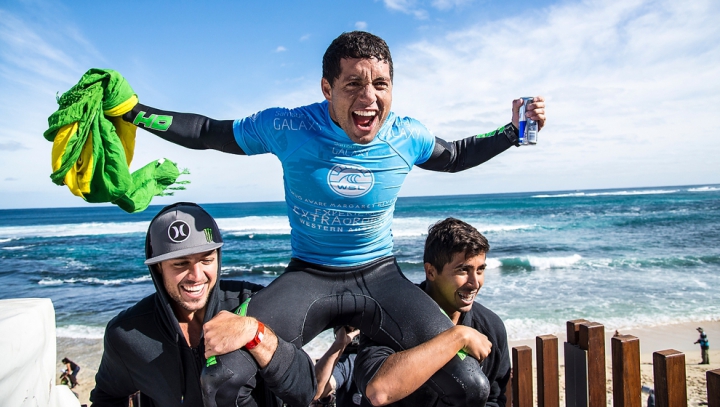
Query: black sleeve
{"x": 472, "y": 151}
{"x": 291, "y": 375}
{"x": 370, "y": 358}
{"x": 113, "y": 384}
{"x": 186, "y": 129}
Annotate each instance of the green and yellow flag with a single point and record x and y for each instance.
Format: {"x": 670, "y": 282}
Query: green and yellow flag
{"x": 93, "y": 146}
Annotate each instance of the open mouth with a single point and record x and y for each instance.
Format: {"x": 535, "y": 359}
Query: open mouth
{"x": 467, "y": 297}
{"x": 364, "y": 119}
{"x": 194, "y": 291}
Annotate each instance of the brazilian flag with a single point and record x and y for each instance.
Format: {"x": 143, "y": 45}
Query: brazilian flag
{"x": 93, "y": 146}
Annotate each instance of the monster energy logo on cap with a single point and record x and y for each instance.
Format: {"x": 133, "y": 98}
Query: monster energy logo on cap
{"x": 208, "y": 235}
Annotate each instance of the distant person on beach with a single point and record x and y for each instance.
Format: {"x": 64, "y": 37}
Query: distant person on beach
{"x": 344, "y": 161}
{"x": 454, "y": 273}
{"x": 704, "y": 347}
{"x": 157, "y": 346}
{"x": 71, "y": 369}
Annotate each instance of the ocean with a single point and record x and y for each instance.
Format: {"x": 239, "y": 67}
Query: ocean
{"x": 626, "y": 258}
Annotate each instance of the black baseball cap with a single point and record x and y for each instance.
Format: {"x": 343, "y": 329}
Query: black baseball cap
{"x": 179, "y": 230}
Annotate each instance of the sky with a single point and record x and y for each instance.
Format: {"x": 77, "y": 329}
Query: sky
{"x": 632, "y": 87}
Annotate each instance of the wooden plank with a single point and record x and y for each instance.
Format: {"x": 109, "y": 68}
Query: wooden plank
{"x": 576, "y": 390}
{"x": 548, "y": 381}
{"x": 670, "y": 378}
{"x": 509, "y": 390}
{"x": 522, "y": 376}
{"x": 626, "y": 371}
{"x": 573, "y": 330}
{"x": 713, "y": 387}
{"x": 592, "y": 339}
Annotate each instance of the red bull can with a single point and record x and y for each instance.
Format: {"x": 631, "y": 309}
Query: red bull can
{"x": 528, "y": 129}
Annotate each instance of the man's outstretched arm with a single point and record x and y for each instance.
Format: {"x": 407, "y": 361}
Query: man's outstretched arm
{"x": 393, "y": 376}
{"x": 186, "y": 129}
{"x": 472, "y": 151}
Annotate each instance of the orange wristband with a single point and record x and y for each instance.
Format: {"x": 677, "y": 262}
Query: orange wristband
{"x": 259, "y": 335}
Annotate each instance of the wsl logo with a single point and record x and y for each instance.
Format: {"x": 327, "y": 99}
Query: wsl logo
{"x": 178, "y": 231}
{"x": 350, "y": 181}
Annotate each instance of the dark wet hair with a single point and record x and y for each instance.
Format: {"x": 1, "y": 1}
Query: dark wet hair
{"x": 354, "y": 44}
{"x": 450, "y": 236}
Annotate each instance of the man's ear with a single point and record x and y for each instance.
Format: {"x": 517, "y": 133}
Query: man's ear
{"x": 326, "y": 89}
{"x": 430, "y": 272}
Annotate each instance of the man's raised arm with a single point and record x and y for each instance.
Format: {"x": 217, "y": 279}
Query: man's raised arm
{"x": 186, "y": 129}
{"x": 472, "y": 151}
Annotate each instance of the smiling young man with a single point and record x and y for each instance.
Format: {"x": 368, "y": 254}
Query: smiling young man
{"x": 344, "y": 161}
{"x": 156, "y": 347}
{"x": 454, "y": 273}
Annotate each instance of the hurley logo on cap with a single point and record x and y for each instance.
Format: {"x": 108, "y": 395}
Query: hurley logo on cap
{"x": 179, "y": 231}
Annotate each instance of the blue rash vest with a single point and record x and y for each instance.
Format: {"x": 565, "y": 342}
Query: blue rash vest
{"x": 340, "y": 195}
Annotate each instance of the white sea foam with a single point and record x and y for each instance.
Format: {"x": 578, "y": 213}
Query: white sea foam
{"x": 525, "y": 328}
{"x": 252, "y": 225}
{"x": 5, "y": 240}
{"x": 544, "y": 263}
{"x": 16, "y": 247}
{"x": 80, "y": 332}
{"x": 615, "y": 193}
{"x": 418, "y": 226}
{"x": 80, "y": 229}
{"x": 492, "y": 263}
{"x": 704, "y": 189}
{"x": 94, "y": 281}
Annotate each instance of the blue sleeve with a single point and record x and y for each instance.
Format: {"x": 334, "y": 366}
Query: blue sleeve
{"x": 251, "y": 132}
{"x": 424, "y": 143}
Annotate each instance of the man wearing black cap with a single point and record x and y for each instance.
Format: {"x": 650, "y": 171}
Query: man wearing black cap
{"x": 156, "y": 347}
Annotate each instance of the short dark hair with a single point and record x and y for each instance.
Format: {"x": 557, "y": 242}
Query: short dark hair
{"x": 450, "y": 236}
{"x": 354, "y": 44}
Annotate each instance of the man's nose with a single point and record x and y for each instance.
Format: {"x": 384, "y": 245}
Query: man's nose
{"x": 196, "y": 271}
{"x": 367, "y": 95}
{"x": 473, "y": 281}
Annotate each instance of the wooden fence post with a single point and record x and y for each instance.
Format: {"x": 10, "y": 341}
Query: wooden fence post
{"x": 522, "y": 376}
{"x": 713, "y": 387}
{"x": 626, "y": 371}
{"x": 576, "y": 384}
{"x": 573, "y": 330}
{"x": 592, "y": 339}
{"x": 670, "y": 379}
{"x": 548, "y": 385}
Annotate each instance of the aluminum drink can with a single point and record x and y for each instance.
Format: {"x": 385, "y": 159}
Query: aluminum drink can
{"x": 528, "y": 129}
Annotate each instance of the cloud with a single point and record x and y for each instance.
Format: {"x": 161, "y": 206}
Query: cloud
{"x": 12, "y": 179}
{"x": 626, "y": 82}
{"x": 361, "y": 25}
{"x": 408, "y": 7}
{"x": 11, "y": 146}
{"x": 280, "y": 49}
{"x": 305, "y": 37}
{"x": 449, "y": 4}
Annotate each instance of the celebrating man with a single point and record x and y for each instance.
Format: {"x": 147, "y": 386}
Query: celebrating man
{"x": 344, "y": 161}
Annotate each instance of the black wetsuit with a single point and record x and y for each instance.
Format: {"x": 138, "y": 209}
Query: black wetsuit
{"x": 145, "y": 350}
{"x": 496, "y": 366}
{"x": 374, "y": 296}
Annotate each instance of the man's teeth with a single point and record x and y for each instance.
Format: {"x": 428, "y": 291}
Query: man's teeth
{"x": 193, "y": 289}
{"x": 366, "y": 113}
{"x": 467, "y": 296}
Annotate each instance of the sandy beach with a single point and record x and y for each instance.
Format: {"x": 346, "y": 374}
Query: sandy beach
{"x": 87, "y": 353}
